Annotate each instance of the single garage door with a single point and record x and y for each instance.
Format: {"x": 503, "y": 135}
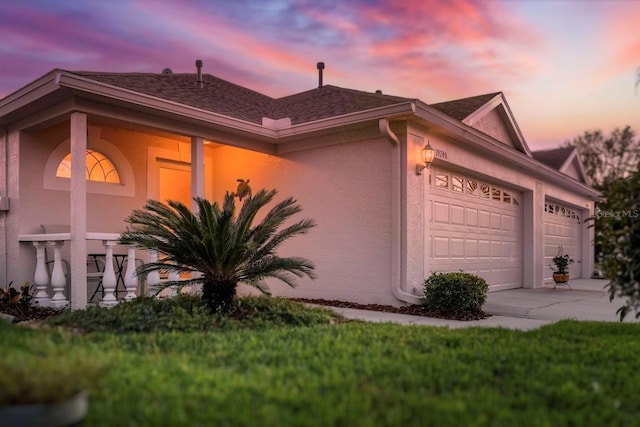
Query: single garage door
{"x": 562, "y": 227}
{"x": 475, "y": 227}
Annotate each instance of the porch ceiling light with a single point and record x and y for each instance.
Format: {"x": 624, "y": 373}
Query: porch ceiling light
{"x": 428, "y": 153}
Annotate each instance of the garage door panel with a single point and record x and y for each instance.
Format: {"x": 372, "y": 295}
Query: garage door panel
{"x": 507, "y": 223}
{"x": 496, "y": 221}
{"x": 441, "y": 212}
{"x": 471, "y": 248}
{"x": 440, "y": 247}
{"x": 472, "y": 217}
{"x": 457, "y": 215}
{"x": 484, "y": 248}
{"x": 484, "y": 219}
{"x": 478, "y": 232}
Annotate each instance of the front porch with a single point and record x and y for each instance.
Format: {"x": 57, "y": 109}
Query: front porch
{"x": 54, "y": 281}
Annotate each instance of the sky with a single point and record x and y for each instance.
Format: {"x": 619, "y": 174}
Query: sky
{"x": 564, "y": 66}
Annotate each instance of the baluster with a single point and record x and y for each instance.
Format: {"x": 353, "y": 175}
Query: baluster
{"x": 172, "y": 291}
{"x": 109, "y": 276}
{"x": 196, "y": 275}
{"x": 153, "y": 278}
{"x": 173, "y": 276}
{"x": 41, "y": 278}
{"x": 58, "y": 279}
{"x": 131, "y": 278}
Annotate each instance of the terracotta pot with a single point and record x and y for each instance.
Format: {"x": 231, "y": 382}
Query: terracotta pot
{"x": 70, "y": 412}
{"x": 561, "y": 277}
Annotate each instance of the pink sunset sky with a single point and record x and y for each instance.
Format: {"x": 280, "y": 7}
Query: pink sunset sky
{"x": 565, "y": 66}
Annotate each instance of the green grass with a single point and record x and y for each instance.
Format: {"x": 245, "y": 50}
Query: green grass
{"x": 356, "y": 374}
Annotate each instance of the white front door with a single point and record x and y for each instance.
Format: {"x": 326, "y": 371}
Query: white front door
{"x": 169, "y": 176}
{"x": 476, "y": 227}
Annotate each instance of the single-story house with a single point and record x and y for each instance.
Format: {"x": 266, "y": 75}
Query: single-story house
{"x": 84, "y": 149}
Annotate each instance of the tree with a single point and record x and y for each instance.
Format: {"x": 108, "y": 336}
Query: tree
{"x": 224, "y": 247}
{"x": 618, "y": 237}
{"x": 606, "y": 160}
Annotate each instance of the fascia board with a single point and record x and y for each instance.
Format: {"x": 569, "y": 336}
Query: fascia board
{"x": 28, "y": 94}
{"x": 516, "y": 128}
{"x": 465, "y": 132}
{"x": 91, "y": 86}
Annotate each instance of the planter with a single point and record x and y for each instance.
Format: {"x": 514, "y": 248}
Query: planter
{"x": 560, "y": 277}
{"x": 70, "y": 412}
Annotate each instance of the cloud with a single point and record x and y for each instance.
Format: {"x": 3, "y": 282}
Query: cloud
{"x": 622, "y": 39}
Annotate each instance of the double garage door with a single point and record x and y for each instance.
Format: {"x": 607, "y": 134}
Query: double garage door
{"x": 476, "y": 227}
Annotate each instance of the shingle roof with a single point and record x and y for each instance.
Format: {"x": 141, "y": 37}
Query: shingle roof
{"x": 216, "y": 95}
{"x": 553, "y": 158}
{"x": 220, "y": 96}
{"x": 329, "y": 101}
{"x": 461, "y": 108}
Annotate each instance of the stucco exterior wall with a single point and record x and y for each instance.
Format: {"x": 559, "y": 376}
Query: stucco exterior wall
{"x": 345, "y": 188}
{"x": 492, "y": 124}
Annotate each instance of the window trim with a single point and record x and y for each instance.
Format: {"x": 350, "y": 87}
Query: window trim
{"x": 126, "y": 187}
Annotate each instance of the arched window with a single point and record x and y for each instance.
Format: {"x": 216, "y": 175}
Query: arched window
{"x": 108, "y": 171}
{"x": 99, "y": 168}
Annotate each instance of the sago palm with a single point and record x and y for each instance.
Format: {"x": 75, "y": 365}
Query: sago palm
{"x": 222, "y": 244}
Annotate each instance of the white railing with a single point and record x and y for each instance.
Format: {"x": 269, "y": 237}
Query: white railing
{"x": 58, "y": 279}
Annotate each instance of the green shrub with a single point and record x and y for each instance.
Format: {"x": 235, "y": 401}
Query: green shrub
{"x": 190, "y": 313}
{"x": 455, "y": 292}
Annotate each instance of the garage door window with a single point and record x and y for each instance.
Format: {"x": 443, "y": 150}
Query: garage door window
{"x": 457, "y": 184}
{"x": 488, "y": 192}
{"x": 554, "y": 209}
{"x": 472, "y": 187}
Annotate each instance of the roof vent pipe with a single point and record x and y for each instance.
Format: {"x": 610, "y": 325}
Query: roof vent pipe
{"x": 199, "y": 81}
{"x": 320, "y": 67}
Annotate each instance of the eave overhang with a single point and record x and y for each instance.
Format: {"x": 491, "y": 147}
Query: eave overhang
{"x": 64, "y": 85}
{"x": 433, "y": 118}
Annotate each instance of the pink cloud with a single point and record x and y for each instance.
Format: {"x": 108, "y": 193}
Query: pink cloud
{"x": 622, "y": 38}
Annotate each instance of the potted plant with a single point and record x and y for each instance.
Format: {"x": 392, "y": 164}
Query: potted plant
{"x": 560, "y": 266}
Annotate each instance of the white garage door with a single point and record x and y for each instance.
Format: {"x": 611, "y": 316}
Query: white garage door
{"x": 475, "y": 227}
{"x": 562, "y": 227}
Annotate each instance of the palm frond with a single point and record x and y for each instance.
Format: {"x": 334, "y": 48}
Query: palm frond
{"x": 219, "y": 241}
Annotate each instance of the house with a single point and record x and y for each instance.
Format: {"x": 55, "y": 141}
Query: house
{"x": 86, "y": 148}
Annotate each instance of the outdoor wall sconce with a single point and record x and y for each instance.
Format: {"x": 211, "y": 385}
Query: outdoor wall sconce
{"x": 428, "y": 153}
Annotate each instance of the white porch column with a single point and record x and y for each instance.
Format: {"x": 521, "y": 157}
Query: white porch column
{"x": 197, "y": 169}
{"x": 78, "y": 141}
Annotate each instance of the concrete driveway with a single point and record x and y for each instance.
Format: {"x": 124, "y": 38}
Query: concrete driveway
{"x": 523, "y": 308}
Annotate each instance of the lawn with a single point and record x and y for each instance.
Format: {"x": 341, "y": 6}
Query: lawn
{"x": 352, "y": 374}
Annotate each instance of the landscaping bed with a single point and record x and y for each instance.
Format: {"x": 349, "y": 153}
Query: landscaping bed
{"x": 413, "y": 310}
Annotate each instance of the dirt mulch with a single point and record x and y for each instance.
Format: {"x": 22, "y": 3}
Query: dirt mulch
{"x": 25, "y": 312}
{"x": 413, "y": 310}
